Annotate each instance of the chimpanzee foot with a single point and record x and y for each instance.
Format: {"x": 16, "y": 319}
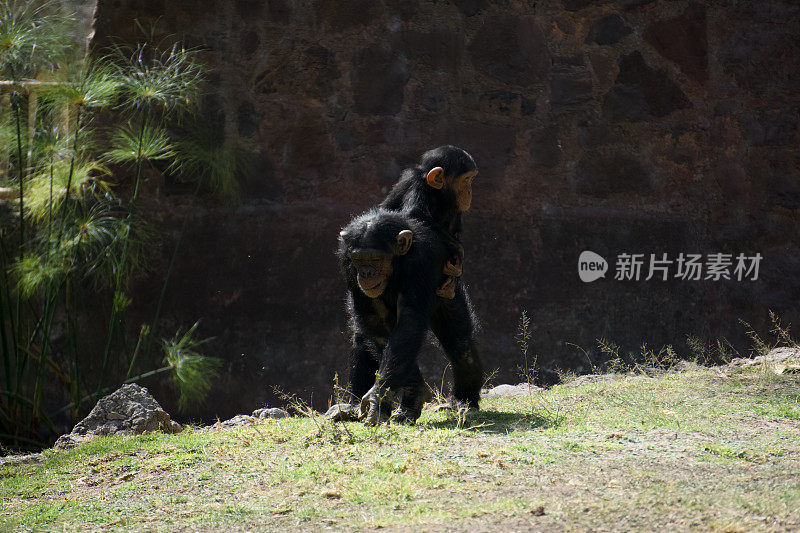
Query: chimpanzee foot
{"x": 452, "y": 404}
{"x": 405, "y": 416}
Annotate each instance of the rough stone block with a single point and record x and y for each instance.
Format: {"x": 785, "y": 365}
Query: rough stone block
{"x": 608, "y": 30}
{"x": 683, "y": 40}
{"x": 378, "y": 80}
{"x": 610, "y": 174}
{"x": 511, "y": 50}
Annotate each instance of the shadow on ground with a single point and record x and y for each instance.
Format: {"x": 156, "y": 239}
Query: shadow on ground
{"x": 493, "y": 422}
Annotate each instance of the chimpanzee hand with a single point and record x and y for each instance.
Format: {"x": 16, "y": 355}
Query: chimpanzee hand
{"x": 453, "y": 266}
{"x": 447, "y": 289}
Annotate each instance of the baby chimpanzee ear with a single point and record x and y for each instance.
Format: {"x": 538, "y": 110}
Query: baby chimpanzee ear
{"x": 404, "y": 239}
{"x": 435, "y": 177}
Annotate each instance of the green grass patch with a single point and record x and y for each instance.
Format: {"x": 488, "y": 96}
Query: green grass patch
{"x": 694, "y": 450}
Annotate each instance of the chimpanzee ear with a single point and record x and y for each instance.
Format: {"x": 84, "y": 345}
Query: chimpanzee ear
{"x": 404, "y": 239}
{"x": 435, "y": 177}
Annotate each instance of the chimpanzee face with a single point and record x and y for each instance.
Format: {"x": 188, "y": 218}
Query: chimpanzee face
{"x": 459, "y": 184}
{"x": 374, "y": 265}
{"x": 462, "y": 187}
{"x": 373, "y": 268}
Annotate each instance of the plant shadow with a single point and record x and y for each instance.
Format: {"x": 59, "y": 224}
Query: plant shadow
{"x": 494, "y": 422}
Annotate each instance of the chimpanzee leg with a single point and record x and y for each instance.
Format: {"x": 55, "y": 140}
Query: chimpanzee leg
{"x": 453, "y": 322}
{"x": 413, "y": 396}
{"x": 364, "y": 359}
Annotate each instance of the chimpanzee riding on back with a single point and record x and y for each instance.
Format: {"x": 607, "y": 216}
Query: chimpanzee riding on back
{"x": 391, "y": 299}
{"x": 437, "y": 191}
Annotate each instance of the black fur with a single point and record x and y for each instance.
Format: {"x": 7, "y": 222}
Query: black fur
{"x": 453, "y": 321}
{"x": 388, "y": 331}
{"x": 413, "y": 196}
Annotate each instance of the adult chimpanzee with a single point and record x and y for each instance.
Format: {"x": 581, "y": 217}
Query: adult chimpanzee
{"x": 437, "y": 191}
{"x": 392, "y": 264}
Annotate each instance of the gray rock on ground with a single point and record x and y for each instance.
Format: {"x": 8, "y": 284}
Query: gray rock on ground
{"x": 270, "y": 412}
{"x": 240, "y": 421}
{"x": 13, "y": 460}
{"x": 129, "y": 410}
{"x": 343, "y": 412}
{"x": 505, "y": 390}
{"x": 237, "y": 421}
{"x": 783, "y": 354}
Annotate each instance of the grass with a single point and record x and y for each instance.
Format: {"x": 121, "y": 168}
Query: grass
{"x": 693, "y": 450}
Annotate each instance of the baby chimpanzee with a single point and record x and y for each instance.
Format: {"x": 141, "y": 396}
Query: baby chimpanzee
{"x": 437, "y": 191}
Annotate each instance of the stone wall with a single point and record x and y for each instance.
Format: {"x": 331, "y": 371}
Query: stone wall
{"x": 626, "y": 126}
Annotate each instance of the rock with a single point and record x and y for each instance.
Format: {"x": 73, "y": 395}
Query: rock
{"x": 608, "y": 30}
{"x": 510, "y": 391}
{"x": 499, "y": 101}
{"x": 270, "y": 412}
{"x": 237, "y": 421}
{"x": 280, "y": 11}
{"x": 522, "y": 60}
{"x": 683, "y": 41}
{"x": 321, "y": 71}
{"x": 14, "y": 460}
{"x": 604, "y": 175}
{"x": 440, "y": 50}
{"x": 383, "y": 94}
{"x": 762, "y": 59}
{"x": 626, "y": 103}
{"x": 546, "y": 149}
{"x": 307, "y": 144}
{"x": 404, "y": 9}
{"x": 347, "y": 15}
{"x": 249, "y": 9}
{"x": 247, "y": 119}
{"x": 71, "y": 440}
{"x": 343, "y": 412}
{"x": 129, "y": 410}
{"x": 641, "y": 92}
{"x": 249, "y": 43}
{"x": 576, "y": 5}
{"x": 570, "y": 89}
{"x": 683, "y": 366}
{"x": 771, "y": 127}
{"x": 780, "y": 359}
{"x": 433, "y": 100}
{"x": 527, "y": 107}
{"x": 470, "y": 8}
{"x": 629, "y": 5}
{"x": 782, "y": 354}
